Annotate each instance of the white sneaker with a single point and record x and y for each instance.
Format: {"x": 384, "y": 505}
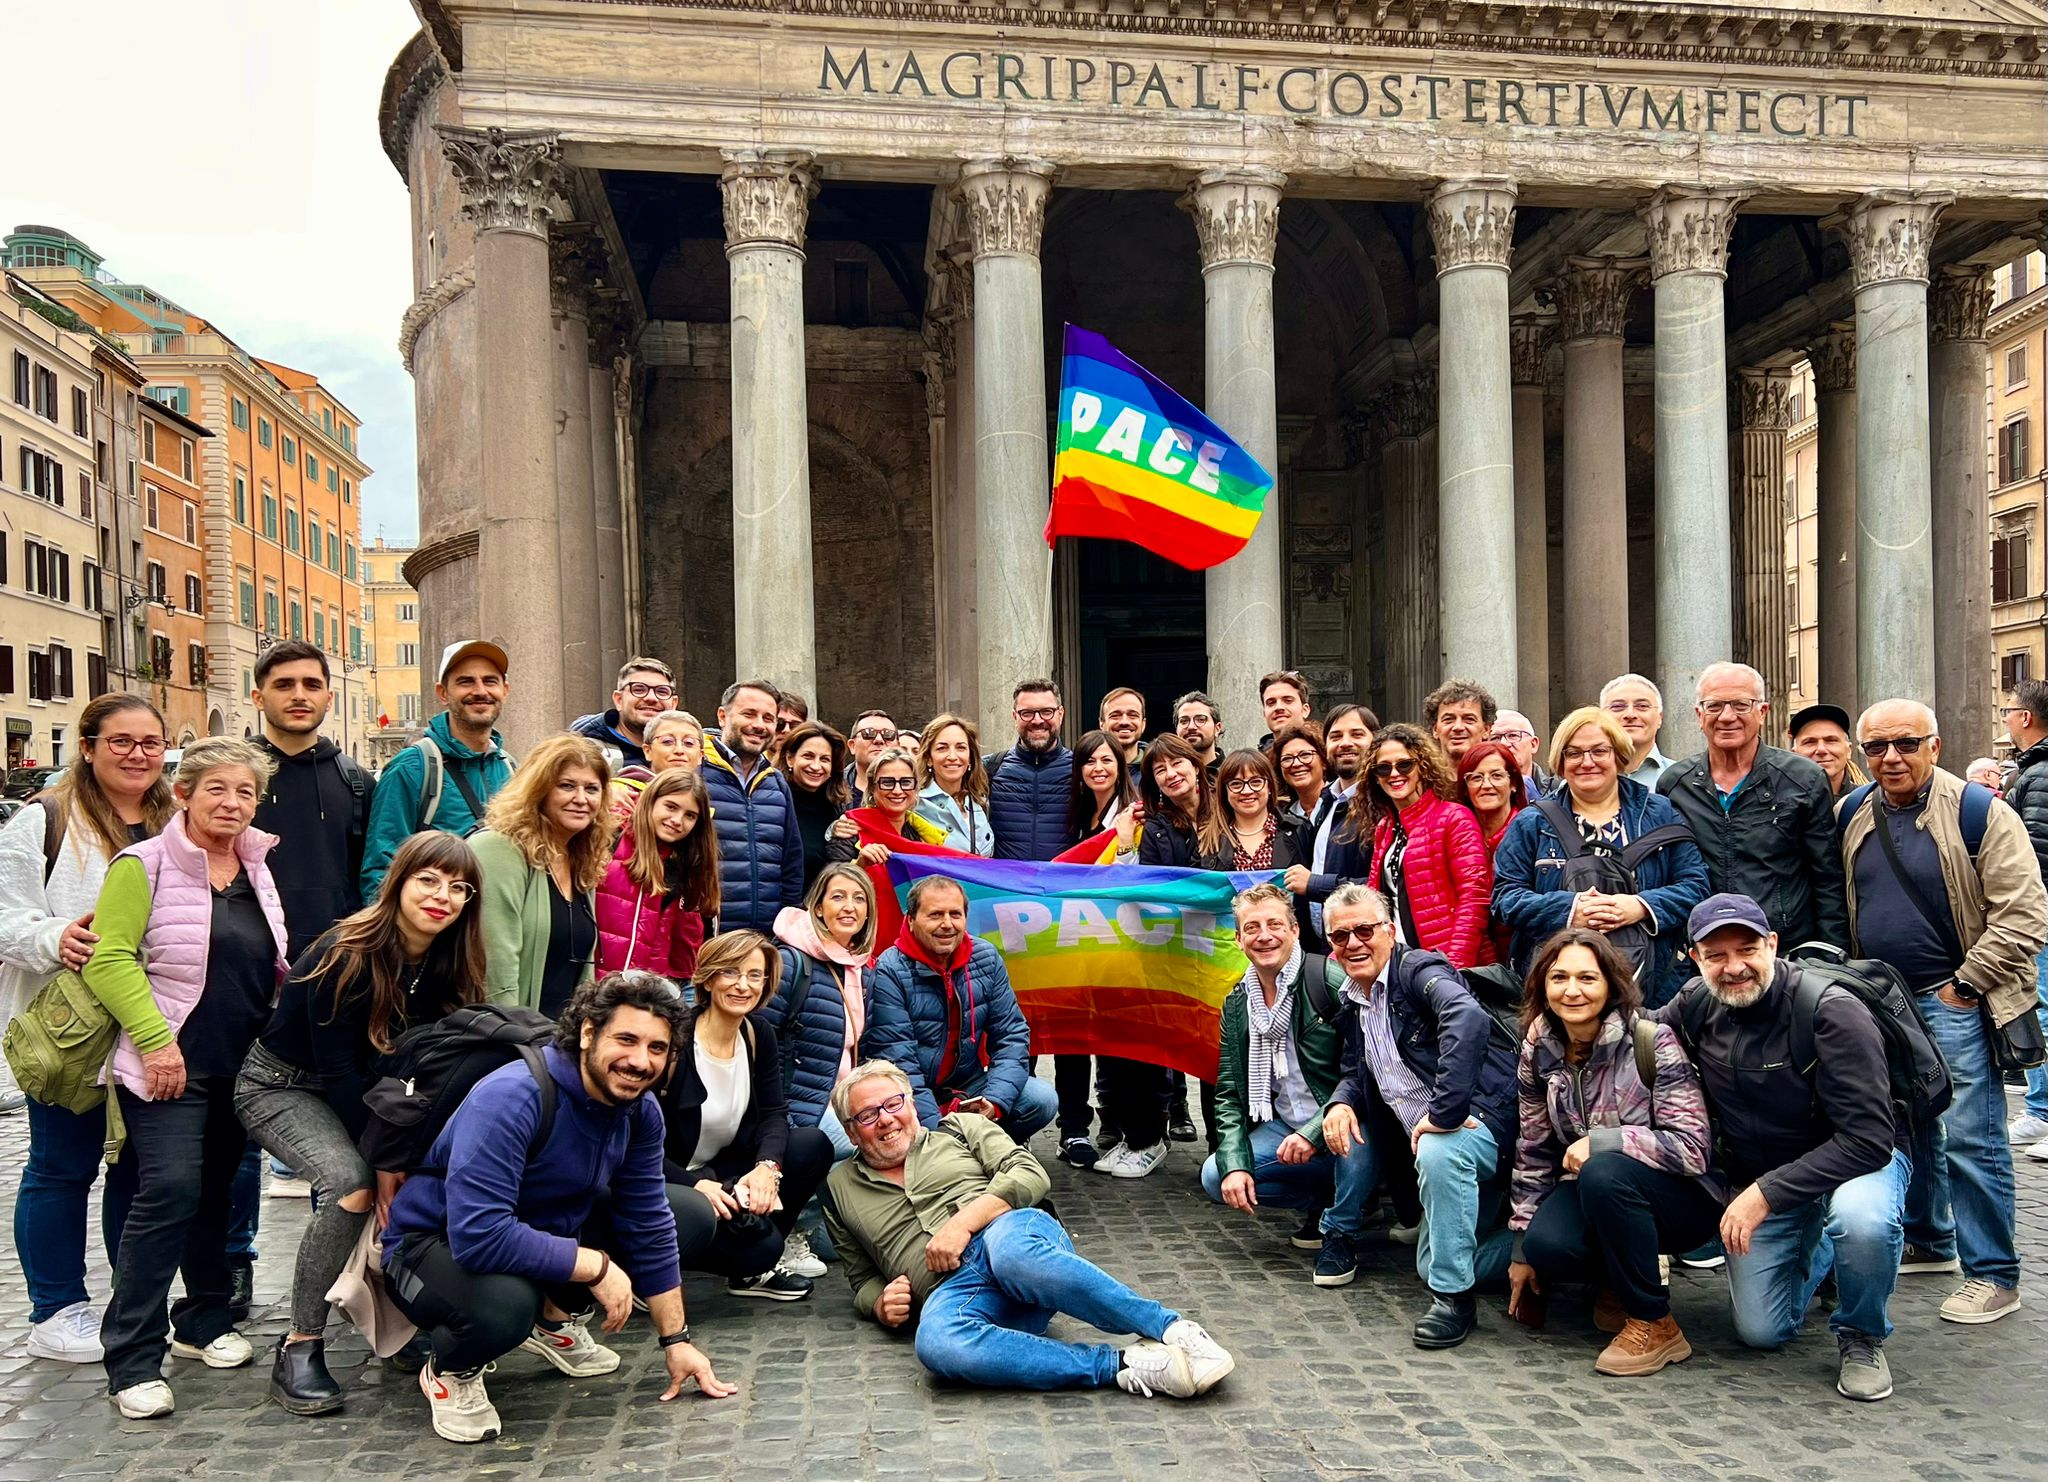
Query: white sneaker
{"x": 1130, "y": 1162}
{"x": 570, "y": 1348}
{"x": 1106, "y": 1164}
{"x": 1208, "y": 1362}
{"x": 1151, "y": 1369}
{"x": 1404, "y": 1234}
{"x": 2025, "y": 1128}
{"x": 229, "y": 1351}
{"x": 289, "y": 1188}
{"x": 2039, "y": 1150}
{"x": 798, "y": 1259}
{"x": 462, "y": 1408}
{"x": 70, "y": 1337}
{"x": 145, "y": 1401}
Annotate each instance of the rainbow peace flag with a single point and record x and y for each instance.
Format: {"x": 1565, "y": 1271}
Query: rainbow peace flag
{"x": 1139, "y": 462}
{"x": 1132, "y": 961}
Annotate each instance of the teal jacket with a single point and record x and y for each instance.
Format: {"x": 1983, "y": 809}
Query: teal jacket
{"x": 395, "y": 810}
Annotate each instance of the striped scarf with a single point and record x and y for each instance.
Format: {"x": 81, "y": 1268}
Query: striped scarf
{"x": 1269, "y": 1027}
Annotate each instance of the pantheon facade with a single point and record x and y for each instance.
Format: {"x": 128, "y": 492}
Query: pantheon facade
{"x": 737, "y": 325}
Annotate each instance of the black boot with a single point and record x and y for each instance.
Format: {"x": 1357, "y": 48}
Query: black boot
{"x": 414, "y": 1355}
{"x": 1449, "y": 1321}
{"x": 299, "y": 1380}
{"x": 1180, "y": 1127}
{"x": 241, "y": 1289}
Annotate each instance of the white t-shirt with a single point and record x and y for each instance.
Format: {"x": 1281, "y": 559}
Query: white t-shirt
{"x": 728, "y": 1088}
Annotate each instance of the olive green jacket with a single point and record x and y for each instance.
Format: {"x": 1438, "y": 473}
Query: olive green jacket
{"x": 517, "y": 907}
{"x": 1317, "y": 1045}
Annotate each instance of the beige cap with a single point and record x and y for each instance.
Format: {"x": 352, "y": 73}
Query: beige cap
{"x": 455, "y": 653}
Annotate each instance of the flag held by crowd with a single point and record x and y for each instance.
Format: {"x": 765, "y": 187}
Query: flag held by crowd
{"x": 1139, "y": 462}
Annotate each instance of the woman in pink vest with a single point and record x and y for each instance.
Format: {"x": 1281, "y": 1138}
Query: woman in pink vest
{"x": 190, "y": 954}
{"x": 661, "y": 892}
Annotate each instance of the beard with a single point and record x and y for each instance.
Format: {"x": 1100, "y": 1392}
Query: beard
{"x": 1739, "y": 995}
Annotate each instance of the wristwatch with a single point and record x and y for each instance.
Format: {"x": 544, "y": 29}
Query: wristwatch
{"x": 679, "y": 1336}
{"x": 1964, "y": 991}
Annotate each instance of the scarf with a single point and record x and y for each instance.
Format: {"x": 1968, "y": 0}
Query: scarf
{"x": 959, "y": 1005}
{"x": 1270, "y": 1027}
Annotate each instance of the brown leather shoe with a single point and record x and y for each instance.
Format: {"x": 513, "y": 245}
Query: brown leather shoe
{"x": 1608, "y": 1315}
{"x": 1644, "y": 1348}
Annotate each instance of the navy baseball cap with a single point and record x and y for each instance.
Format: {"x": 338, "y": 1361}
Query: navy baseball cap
{"x": 1718, "y": 911}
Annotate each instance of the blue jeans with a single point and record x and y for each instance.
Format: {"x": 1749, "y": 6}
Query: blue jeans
{"x": 65, "y": 1150}
{"x": 985, "y": 1324}
{"x": 1338, "y": 1186}
{"x": 1449, "y": 1168}
{"x": 1034, "y": 1110}
{"x": 1961, "y": 1202}
{"x": 1862, "y": 1219}
{"x": 2037, "y": 1078}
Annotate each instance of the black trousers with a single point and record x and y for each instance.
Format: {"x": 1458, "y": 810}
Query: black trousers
{"x": 748, "y": 1245}
{"x": 1612, "y": 1222}
{"x": 186, "y": 1153}
{"x": 1134, "y": 1099}
{"x": 473, "y": 1318}
{"x": 1070, "y": 1075}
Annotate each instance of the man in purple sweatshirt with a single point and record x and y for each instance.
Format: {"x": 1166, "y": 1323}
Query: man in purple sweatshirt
{"x": 499, "y": 1250}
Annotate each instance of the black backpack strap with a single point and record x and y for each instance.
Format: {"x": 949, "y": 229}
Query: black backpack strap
{"x": 550, "y": 1099}
{"x": 1692, "y": 1012}
{"x": 1315, "y": 987}
{"x": 1661, "y": 837}
{"x": 466, "y": 788}
{"x": 1806, "y": 997}
{"x": 1569, "y": 839}
{"x": 1646, "y": 1057}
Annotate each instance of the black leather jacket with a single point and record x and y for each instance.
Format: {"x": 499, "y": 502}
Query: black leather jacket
{"x": 2029, "y": 798}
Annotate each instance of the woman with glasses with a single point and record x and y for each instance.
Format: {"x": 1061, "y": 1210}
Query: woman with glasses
{"x": 1304, "y": 768}
{"x": 1607, "y": 812}
{"x": 661, "y": 891}
{"x": 674, "y": 738}
{"x": 892, "y": 794}
{"x": 54, "y": 855}
{"x": 738, "y": 1172}
{"x": 813, "y": 762}
{"x": 412, "y": 956}
{"x": 1175, "y": 787}
{"x": 1428, "y": 858}
{"x": 1491, "y": 784}
{"x": 545, "y": 845}
{"x": 955, "y": 795}
{"x": 1244, "y": 831}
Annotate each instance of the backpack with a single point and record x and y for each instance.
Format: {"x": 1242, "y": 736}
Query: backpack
{"x": 1494, "y": 987}
{"x": 795, "y": 994}
{"x": 57, "y": 1045}
{"x": 1975, "y": 808}
{"x": 436, "y": 1066}
{"x": 434, "y": 773}
{"x": 1591, "y": 866}
{"x": 1920, "y": 1086}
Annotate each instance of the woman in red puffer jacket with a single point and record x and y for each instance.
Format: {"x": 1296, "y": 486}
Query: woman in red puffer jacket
{"x": 658, "y": 899}
{"x": 1428, "y": 854}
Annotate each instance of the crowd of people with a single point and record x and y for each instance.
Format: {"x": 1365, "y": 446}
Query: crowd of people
{"x": 1557, "y": 1015}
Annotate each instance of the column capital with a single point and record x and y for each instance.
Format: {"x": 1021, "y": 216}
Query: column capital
{"x": 1472, "y": 222}
{"x": 1689, "y": 229}
{"x": 1960, "y": 303}
{"x": 1833, "y": 358}
{"x": 1889, "y": 233}
{"x": 508, "y": 177}
{"x": 1529, "y": 341}
{"x": 1237, "y": 214}
{"x": 1592, "y": 295}
{"x": 767, "y": 197}
{"x": 1765, "y": 399}
{"x": 1005, "y": 200}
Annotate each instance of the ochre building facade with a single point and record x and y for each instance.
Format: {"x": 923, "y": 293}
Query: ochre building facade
{"x": 737, "y": 324}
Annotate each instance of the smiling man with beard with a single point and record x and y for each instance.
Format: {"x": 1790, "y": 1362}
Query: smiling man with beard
{"x": 1809, "y": 1150}
{"x": 506, "y": 1246}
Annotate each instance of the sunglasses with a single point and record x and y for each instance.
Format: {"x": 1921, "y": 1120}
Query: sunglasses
{"x": 1342, "y": 936}
{"x": 1384, "y": 770}
{"x": 1904, "y": 745}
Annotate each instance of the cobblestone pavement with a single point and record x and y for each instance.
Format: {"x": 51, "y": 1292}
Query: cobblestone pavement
{"x": 1327, "y": 1385}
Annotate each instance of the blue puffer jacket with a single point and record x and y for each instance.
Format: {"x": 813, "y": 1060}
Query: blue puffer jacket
{"x": 814, "y": 1044}
{"x": 1027, "y": 801}
{"x": 760, "y": 851}
{"x": 910, "y": 1022}
{"x": 1530, "y": 898}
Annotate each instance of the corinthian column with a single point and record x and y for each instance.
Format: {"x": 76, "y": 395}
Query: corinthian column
{"x": 509, "y": 179}
{"x": 1005, "y": 209}
{"x": 1473, "y": 225}
{"x": 573, "y": 262}
{"x": 1688, "y": 231}
{"x": 1833, "y": 358}
{"x": 1528, "y": 344}
{"x": 607, "y": 347}
{"x": 1237, "y": 218}
{"x": 1958, "y": 361}
{"x": 767, "y": 204}
{"x": 1889, "y": 234}
{"x": 1762, "y": 623}
{"x": 1592, "y": 296}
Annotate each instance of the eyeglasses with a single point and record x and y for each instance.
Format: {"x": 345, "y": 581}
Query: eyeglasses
{"x": 1246, "y": 784}
{"x": 1384, "y": 770}
{"x": 1341, "y": 936}
{"x": 459, "y": 891}
{"x": 890, "y": 1105}
{"x": 1904, "y": 745}
{"x": 895, "y": 784}
{"x": 1043, "y": 712}
{"x": 1512, "y": 736}
{"x": 1729, "y": 707}
{"x": 869, "y": 733}
{"x": 1588, "y": 754}
{"x": 2005, "y": 710}
{"x": 640, "y": 691}
{"x": 1492, "y": 778}
{"x": 1296, "y": 761}
{"x": 754, "y": 979}
{"x": 128, "y": 745}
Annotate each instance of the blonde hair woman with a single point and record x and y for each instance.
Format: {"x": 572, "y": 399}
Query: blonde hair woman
{"x": 546, "y": 844}
{"x": 955, "y": 785}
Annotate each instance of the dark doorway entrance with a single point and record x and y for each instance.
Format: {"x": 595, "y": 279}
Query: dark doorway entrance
{"x": 1141, "y": 625}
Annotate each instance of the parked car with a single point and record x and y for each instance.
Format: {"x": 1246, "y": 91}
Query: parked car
{"x": 24, "y": 783}
{"x": 9, "y": 807}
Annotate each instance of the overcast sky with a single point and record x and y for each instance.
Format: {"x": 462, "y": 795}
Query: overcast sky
{"x": 225, "y": 152}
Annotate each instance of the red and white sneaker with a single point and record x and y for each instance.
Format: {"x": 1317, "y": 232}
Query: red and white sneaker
{"x": 571, "y": 1349}
{"x": 462, "y": 1409}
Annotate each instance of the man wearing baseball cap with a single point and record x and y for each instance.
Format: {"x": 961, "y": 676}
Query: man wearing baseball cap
{"x": 1805, "y": 1150}
{"x": 1820, "y": 733}
{"x": 445, "y": 779}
